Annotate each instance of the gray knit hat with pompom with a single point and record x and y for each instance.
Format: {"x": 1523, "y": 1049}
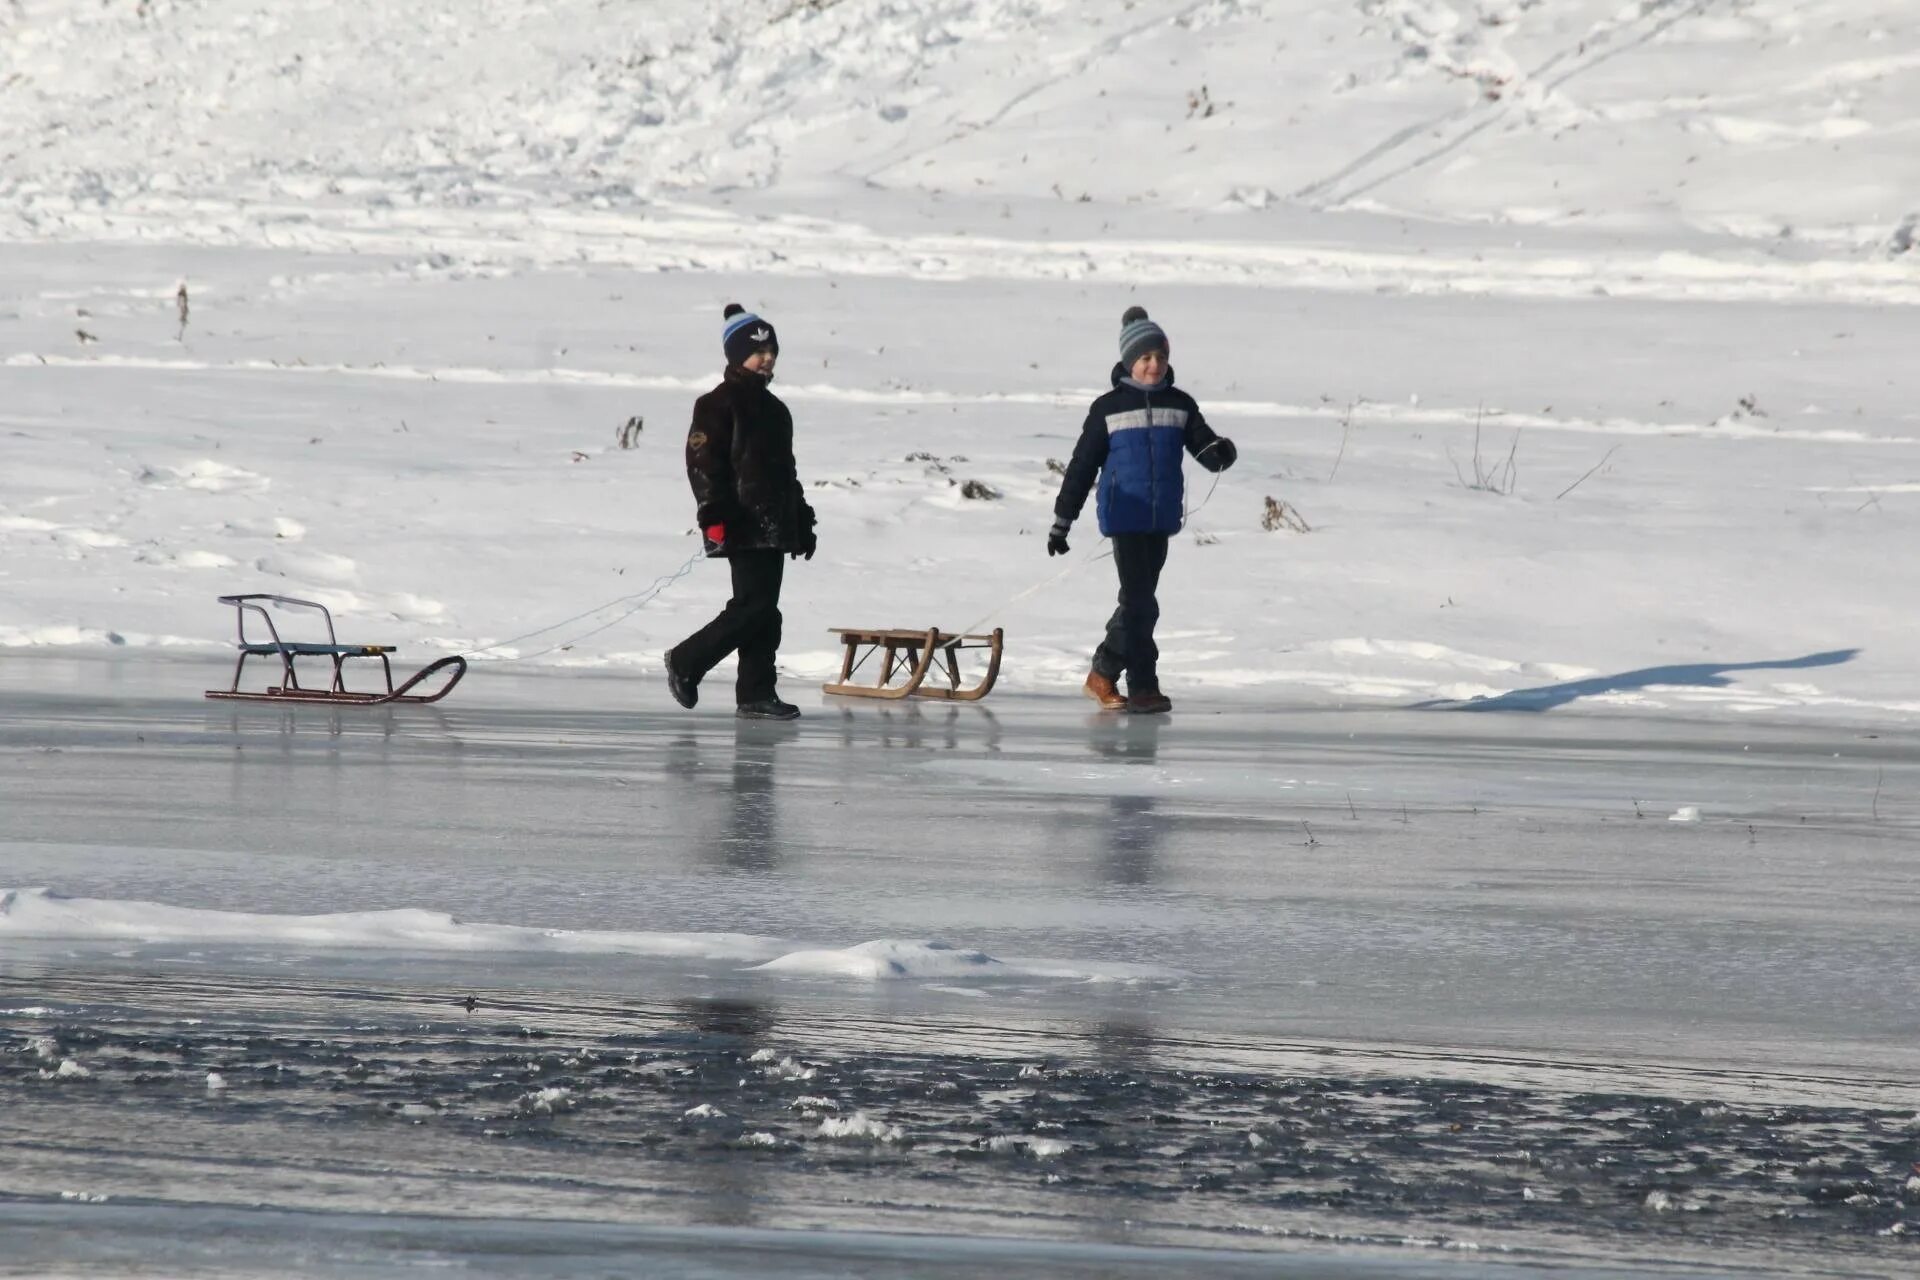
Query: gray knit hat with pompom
{"x": 1139, "y": 335}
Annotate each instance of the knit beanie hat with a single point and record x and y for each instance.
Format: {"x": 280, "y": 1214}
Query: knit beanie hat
{"x": 745, "y": 333}
{"x": 1139, "y": 335}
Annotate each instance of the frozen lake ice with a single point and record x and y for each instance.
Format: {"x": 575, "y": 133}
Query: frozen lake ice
{"x": 1366, "y": 984}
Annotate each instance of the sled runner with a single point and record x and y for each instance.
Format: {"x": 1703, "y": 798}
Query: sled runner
{"x": 916, "y": 655}
{"x": 289, "y": 688}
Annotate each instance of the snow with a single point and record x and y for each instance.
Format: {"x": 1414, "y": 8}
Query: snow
{"x": 860, "y": 1127}
{"x": 42, "y": 914}
{"x": 435, "y": 257}
{"x": 889, "y": 959}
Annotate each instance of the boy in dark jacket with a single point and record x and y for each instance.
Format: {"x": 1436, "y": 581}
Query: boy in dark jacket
{"x": 1132, "y": 443}
{"x": 752, "y": 513}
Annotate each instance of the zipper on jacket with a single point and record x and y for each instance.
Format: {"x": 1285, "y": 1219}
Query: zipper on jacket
{"x": 1153, "y": 471}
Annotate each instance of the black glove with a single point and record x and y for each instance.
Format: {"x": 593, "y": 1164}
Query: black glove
{"x": 1219, "y": 455}
{"x": 1057, "y": 539}
{"x": 809, "y": 543}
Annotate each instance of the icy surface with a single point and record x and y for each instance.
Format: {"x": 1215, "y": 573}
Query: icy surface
{"x": 1426, "y": 877}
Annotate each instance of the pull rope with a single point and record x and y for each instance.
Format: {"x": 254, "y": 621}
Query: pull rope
{"x": 640, "y": 600}
{"x": 1036, "y": 588}
{"x": 1075, "y": 565}
{"x": 1186, "y": 516}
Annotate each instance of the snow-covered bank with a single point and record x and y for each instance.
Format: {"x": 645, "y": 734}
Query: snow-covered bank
{"x": 1709, "y": 533}
{"x": 1567, "y": 365}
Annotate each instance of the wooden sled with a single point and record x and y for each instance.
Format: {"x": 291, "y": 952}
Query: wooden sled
{"x": 289, "y": 689}
{"x": 917, "y": 654}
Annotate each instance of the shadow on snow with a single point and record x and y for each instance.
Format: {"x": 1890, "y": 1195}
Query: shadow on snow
{"x": 1699, "y": 675}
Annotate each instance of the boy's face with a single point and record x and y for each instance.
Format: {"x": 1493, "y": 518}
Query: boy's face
{"x": 760, "y": 361}
{"x": 1150, "y": 367}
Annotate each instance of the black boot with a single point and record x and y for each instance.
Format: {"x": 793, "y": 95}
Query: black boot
{"x": 685, "y": 692}
{"x": 768, "y": 709}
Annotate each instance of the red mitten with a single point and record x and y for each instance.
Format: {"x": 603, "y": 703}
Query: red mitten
{"x": 716, "y": 534}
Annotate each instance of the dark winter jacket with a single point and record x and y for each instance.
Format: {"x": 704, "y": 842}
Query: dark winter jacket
{"x": 1131, "y": 442}
{"x": 740, "y": 463}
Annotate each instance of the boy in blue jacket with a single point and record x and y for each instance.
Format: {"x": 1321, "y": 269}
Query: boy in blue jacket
{"x": 1132, "y": 444}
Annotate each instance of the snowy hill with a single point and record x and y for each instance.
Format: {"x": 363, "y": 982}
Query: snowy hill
{"x": 437, "y": 252}
{"x": 1762, "y": 118}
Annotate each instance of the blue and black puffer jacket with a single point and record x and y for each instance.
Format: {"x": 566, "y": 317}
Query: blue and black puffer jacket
{"x": 1132, "y": 442}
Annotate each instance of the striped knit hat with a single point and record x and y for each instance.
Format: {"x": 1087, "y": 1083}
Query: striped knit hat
{"x": 1139, "y": 335}
{"x": 745, "y": 333}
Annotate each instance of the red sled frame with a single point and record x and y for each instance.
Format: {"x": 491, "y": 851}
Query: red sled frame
{"x": 289, "y": 689}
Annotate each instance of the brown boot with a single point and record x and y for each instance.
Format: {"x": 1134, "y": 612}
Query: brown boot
{"x": 1149, "y": 702}
{"x": 1103, "y": 691}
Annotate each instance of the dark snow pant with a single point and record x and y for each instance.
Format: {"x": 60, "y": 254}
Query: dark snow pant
{"x": 1129, "y": 645}
{"x": 749, "y": 625}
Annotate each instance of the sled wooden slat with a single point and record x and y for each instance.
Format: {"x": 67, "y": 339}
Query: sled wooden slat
{"x": 917, "y": 654}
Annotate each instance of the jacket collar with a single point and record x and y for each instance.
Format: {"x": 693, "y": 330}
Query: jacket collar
{"x": 1121, "y": 378}
{"x": 747, "y": 378}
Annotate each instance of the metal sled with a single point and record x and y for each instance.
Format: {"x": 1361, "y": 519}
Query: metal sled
{"x": 289, "y": 688}
{"x": 917, "y": 654}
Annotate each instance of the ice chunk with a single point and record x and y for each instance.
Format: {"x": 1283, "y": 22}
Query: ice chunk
{"x": 887, "y": 958}
{"x": 860, "y": 1127}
